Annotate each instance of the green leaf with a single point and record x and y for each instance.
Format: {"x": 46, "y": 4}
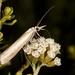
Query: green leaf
{"x": 13, "y": 16}
{"x": 3, "y": 0}
{"x": 11, "y": 23}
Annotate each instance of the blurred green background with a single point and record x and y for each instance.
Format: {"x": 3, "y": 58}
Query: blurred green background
{"x": 60, "y": 23}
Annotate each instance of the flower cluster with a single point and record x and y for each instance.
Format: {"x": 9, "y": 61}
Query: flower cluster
{"x": 39, "y": 46}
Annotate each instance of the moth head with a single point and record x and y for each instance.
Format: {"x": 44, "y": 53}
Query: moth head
{"x": 40, "y": 28}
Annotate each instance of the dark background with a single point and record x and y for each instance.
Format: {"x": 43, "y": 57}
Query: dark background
{"x": 60, "y": 23}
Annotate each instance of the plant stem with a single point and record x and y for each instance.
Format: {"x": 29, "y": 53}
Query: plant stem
{"x": 36, "y": 70}
{"x": 20, "y": 71}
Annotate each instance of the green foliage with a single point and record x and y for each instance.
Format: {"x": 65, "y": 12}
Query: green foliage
{"x": 6, "y": 16}
{"x": 2, "y": 0}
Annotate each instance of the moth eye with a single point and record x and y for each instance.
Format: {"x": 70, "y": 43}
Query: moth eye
{"x": 37, "y": 28}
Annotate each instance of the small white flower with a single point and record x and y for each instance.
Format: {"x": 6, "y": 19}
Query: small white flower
{"x": 55, "y": 47}
{"x": 41, "y": 39}
{"x": 51, "y": 54}
{"x": 39, "y": 46}
{"x": 46, "y": 44}
{"x": 50, "y": 41}
{"x": 27, "y": 49}
{"x": 57, "y": 61}
{"x": 43, "y": 44}
{"x": 36, "y": 54}
{"x": 41, "y": 50}
{"x": 34, "y": 45}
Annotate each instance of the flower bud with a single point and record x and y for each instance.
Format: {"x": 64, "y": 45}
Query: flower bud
{"x": 8, "y": 10}
{"x": 57, "y": 61}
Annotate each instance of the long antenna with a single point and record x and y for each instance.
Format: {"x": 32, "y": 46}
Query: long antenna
{"x": 44, "y": 15}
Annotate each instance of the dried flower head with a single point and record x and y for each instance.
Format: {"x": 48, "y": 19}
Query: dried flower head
{"x": 57, "y": 61}
{"x": 43, "y": 46}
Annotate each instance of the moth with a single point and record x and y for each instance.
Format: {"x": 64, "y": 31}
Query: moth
{"x": 11, "y": 51}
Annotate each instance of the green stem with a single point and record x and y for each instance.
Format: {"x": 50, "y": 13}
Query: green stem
{"x": 20, "y": 71}
{"x": 36, "y": 70}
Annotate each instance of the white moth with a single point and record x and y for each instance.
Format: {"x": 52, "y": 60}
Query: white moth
{"x": 11, "y": 51}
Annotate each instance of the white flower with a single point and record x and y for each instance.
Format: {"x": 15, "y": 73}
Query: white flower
{"x": 36, "y": 54}
{"x": 55, "y": 48}
{"x": 27, "y": 49}
{"x": 43, "y": 44}
{"x": 51, "y": 54}
{"x": 40, "y": 46}
{"x": 57, "y": 61}
{"x": 41, "y": 50}
{"x": 50, "y": 41}
{"x": 41, "y": 39}
{"x": 35, "y": 45}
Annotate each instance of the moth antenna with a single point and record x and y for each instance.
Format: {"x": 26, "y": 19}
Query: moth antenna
{"x": 44, "y": 15}
{"x": 47, "y": 32}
